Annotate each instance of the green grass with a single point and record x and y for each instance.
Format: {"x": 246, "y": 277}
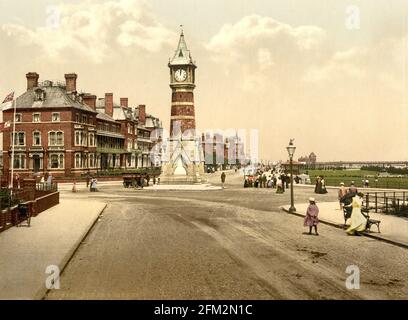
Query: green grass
{"x": 334, "y": 177}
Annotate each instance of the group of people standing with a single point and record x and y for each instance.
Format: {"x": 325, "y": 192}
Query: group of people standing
{"x": 274, "y": 179}
{"x": 351, "y": 200}
{"x": 320, "y": 186}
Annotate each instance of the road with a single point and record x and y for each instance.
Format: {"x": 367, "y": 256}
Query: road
{"x": 227, "y": 244}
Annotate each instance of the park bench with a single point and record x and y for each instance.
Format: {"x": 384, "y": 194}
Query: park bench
{"x": 371, "y": 222}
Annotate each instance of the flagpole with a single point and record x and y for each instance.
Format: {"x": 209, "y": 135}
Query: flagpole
{"x": 12, "y": 147}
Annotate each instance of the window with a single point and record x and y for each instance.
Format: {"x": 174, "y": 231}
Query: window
{"x": 91, "y": 140}
{"x": 36, "y": 138}
{"x": 18, "y": 117}
{"x": 84, "y": 119}
{"x": 55, "y": 117}
{"x": 92, "y": 160}
{"x": 129, "y": 144}
{"x": 84, "y": 138}
{"x": 77, "y": 138}
{"x": 129, "y": 129}
{"x": 56, "y": 138}
{"x": 19, "y": 161}
{"x": 19, "y": 139}
{"x": 77, "y": 160}
{"x": 77, "y": 117}
{"x": 36, "y": 117}
{"x": 56, "y": 161}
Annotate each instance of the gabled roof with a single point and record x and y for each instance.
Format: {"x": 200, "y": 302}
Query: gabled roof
{"x": 182, "y": 55}
{"x": 54, "y": 97}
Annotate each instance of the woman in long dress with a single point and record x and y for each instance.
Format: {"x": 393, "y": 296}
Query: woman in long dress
{"x": 358, "y": 219}
{"x": 311, "y": 218}
{"x": 279, "y": 186}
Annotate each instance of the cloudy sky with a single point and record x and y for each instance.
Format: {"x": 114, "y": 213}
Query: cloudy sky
{"x": 330, "y": 73}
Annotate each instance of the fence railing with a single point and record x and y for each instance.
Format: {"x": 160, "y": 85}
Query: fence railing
{"x": 387, "y": 202}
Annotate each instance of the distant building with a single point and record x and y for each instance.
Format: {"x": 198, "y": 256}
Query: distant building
{"x": 308, "y": 161}
{"x": 221, "y": 153}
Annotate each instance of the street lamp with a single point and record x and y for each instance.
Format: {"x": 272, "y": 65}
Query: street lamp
{"x": 291, "y": 151}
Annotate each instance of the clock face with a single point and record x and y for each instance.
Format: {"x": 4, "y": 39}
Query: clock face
{"x": 180, "y": 75}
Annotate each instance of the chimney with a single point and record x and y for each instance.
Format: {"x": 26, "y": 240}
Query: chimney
{"x": 32, "y": 80}
{"x": 142, "y": 114}
{"x": 109, "y": 104}
{"x": 70, "y": 82}
{"x": 124, "y": 102}
{"x": 90, "y": 101}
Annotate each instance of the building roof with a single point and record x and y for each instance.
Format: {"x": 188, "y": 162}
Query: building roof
{"x": 105, "y": 117}
{"x": 119, "y": 112}
{"x": 182, "y": 56}
{"x": 55, "y": 97}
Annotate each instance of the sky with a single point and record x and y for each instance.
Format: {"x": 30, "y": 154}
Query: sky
{"x": 331, "y": 74}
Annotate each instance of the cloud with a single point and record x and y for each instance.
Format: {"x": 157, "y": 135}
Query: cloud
{"x": 267, "y": 45}
{"x": 94, "y": 30}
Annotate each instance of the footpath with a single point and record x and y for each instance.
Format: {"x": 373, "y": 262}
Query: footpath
{"x": 52, "y": 239}
{"x": 393, "y": 229}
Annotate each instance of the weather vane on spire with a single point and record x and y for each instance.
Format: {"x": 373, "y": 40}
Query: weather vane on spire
{"x": 181, "y": 28}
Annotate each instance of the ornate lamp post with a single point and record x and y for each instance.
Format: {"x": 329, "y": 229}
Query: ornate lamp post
{"x": 291, "y": 151}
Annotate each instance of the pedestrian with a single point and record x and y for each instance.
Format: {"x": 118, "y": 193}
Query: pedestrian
{"x": 366, "y": 182}
{"x": 317, "y": 185}
{"x": 358, "y": 219}
{"x": 279, "y": 186}
{"x": 341, "y": 193}
{"x": 223, "y": 176}
{"x": 18, "y": 180}
{"x": 88, "y": 179}
{"x": 74, "y": 187}
{"x": 49, "y": 181}
{"x": 311, "y": 218}
{"x": 154, "y": 180}
{"x": 93, "y": 185}
{"x": 353, "y": 188}
{"x": 323, "y": 189}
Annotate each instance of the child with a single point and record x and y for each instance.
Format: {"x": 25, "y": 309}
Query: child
{"x": 311, "y": 218}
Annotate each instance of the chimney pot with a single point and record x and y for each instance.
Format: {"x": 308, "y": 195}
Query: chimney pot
{"x": 70, "y": 82}
{"x": 90, "y": 101}
{"x": 32, "y": 80}
{"x": 142, "y": 114}
{"x": 109, "y": 104}
{"x": 124, "y": 102}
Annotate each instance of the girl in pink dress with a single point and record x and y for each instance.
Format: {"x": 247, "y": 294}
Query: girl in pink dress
{"x": 311, "y": 218}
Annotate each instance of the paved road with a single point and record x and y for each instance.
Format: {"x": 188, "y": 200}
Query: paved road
{"x": 228, "y": 244}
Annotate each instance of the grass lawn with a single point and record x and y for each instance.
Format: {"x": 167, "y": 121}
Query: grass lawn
{"x": 334, "y": 177}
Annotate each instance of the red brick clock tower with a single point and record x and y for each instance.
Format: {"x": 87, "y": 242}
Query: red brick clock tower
{"x": 183, "y": 163}
{"x": 182, "y": 84}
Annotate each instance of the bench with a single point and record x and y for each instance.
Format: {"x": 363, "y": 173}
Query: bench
{"x": 370, "y": 222}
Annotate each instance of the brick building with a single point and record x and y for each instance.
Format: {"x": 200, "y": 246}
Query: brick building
{"x": 68, "y": 133}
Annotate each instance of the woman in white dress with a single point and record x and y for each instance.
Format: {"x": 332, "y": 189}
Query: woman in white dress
{"x": 358, "y": 219}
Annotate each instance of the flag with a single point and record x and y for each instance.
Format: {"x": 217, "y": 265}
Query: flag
{"x": 5, "y": 125}
{"x": 8, "y": 101}
{"x": 9, "y": 98}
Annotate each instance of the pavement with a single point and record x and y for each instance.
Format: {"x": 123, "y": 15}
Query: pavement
{"x": 393, "y": 229}
{"x": 52, "y": 239}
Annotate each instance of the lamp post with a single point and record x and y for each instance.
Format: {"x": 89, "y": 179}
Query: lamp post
{"x": 291, "y": 151}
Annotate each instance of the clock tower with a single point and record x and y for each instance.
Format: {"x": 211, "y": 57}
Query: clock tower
{"x": 183, "y": 163}
{"x": 182, "y": 84}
